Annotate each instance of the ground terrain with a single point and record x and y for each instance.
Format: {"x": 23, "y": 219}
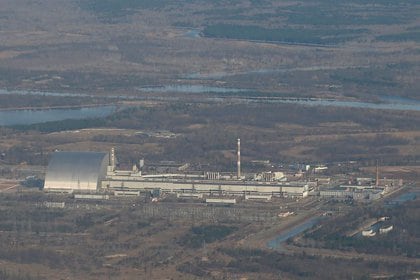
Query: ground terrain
{"x": 136, "y": 239}
{"x": 110, "y": 51}
{"x": 188, "y": 78}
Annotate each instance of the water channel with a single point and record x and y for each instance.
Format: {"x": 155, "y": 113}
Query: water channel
{"x": 276, "y": 242}
{"x": 190, "y": 89}
{"x": 27, "y": 117}
{"x": 193, "y": 33}
{"x": 19, "y": 117}
{"x": 283, "y": 237}
{"x": 402, "y": 198}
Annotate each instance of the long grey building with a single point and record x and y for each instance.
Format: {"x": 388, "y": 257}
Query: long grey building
{"x": 206, "y": 186}
{"x": 76, "y": 171}
{"x": 93, "y": 171}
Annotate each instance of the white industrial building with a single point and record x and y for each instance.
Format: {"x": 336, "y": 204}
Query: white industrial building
{"x": 215, "y": 187}
{"x": 91, "y": 171}
{"x": 76, "y": 171}
{"x": 356, "y": 194}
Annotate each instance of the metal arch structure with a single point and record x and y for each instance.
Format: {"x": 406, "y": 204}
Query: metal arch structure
{"x": 76, "y": 171}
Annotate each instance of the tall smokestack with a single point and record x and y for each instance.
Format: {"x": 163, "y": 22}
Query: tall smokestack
{"x": 377, "y": 173}
{"x": 239, "y": 158}
{"x": 112, "y": 158}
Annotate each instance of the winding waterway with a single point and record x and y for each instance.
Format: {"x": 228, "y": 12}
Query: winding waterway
{"x": 19, "y": 117}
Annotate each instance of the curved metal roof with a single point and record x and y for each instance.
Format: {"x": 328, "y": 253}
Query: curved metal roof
{"x": 76, "y": 170}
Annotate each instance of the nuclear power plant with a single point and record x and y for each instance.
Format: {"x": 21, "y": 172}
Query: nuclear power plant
{"x": 94, "y": 172}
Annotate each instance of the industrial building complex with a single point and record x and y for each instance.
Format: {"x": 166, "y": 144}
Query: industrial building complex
{"x": 96, "y": 172}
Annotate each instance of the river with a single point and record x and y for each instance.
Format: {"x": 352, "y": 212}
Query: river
{"x": 19, "y": 117}
{"x": 276, "y": 242}
{"x": 27, "y": 117}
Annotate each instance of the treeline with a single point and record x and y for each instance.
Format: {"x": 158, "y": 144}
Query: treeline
{"x": 402, "y": 240}
{"x": 33, "y": 101}
{"x": 266, "y": 264}
{"x": 34, "y": 255}
{"x": 175, "y": 117}
{"x": 290, "y": 35}
{"x": 200, "y": 235}
{"x": 108, "y": 10}
{"x": 352, "y": 147}
{"x": 349, "y": 13}
{"x": 401, "y": 37}
{"x": 62, "y": 125}
{"x": 30, "y": 154}
{"x": 8, "y": 275}
{"x": 208, "y": 131}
